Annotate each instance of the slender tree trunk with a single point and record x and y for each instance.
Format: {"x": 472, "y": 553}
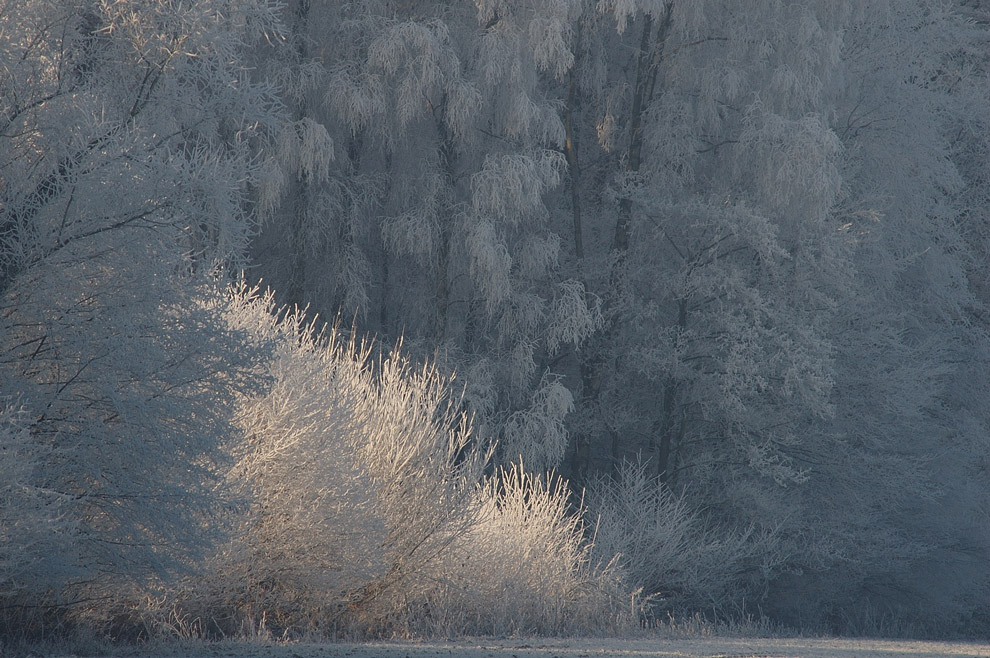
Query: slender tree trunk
{"x": 383, "y": 320}
{"x": 448, "y": 157}
{"x": 580, "y": 463}
{"x": 386, "y": 280}
{"x": 442, "y": 284}
{"x": 670, "y": 428}
{"x": 296, "y": 293}
{"x": 647, "y": 69}
{"x": 574, "y": 167}
{"x": 601, "y": 352}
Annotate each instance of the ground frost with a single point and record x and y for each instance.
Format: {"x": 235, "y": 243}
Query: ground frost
{"x": 704, "y": 647}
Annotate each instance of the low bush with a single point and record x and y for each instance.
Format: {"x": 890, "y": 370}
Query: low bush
{"x": 670, "y": 554}
{"x": 370, "y": 513}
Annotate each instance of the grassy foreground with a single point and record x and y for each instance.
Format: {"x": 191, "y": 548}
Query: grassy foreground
{"x": 643, "y": 647}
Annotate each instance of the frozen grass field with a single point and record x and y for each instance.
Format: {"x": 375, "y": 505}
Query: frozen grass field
{"x": 658, "y": 647}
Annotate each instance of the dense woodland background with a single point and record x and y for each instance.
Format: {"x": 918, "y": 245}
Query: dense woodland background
{"x": 643, "y": 307}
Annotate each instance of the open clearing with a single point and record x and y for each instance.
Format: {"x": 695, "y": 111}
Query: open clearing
{"x": 703, "y": 647}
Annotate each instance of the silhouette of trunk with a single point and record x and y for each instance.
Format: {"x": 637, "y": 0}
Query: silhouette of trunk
{"x": 574, "y": 167}
{"x": 296, "y": 293}
{"x": 670, "y": 428}
{"x": 580, "y": 460}
{"x": 647, "y": 69}
{"x": 448, "y": 157}
{"x": 601, "y": 351}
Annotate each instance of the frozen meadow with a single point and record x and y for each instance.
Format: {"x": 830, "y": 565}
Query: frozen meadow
{"x": 657, "y": 647}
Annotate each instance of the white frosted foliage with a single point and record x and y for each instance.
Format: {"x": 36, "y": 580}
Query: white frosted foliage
{"x": 572, "y": 318}
{"x": 537, "y": 434}
{"x": 306, "y": 149}
{"x": 490, "y": 263}
{"x": 510, "y": 187}
{"x": 369, "y": 503}
{"x": 357, "y": 98}
{"x": 623, "y": 10}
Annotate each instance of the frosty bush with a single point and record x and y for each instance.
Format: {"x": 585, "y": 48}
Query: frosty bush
{"x": 370, "y": 512}
{"x": 523, "y": 567}
{"x": 667, "y": 549}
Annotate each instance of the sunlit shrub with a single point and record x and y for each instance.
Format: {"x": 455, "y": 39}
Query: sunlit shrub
{"x": 370, "y": 512}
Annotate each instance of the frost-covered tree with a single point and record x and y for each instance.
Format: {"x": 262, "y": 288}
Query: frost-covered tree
{"x": 126, "y": 136}
{"x": 770, "y": 199}
{"x": 909, "y": 341}
{"x": 712, "y": 217}
{"x": 430, "y": 221}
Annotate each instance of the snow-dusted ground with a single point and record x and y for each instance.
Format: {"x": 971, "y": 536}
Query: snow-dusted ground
{"x": 703, "y": 647}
